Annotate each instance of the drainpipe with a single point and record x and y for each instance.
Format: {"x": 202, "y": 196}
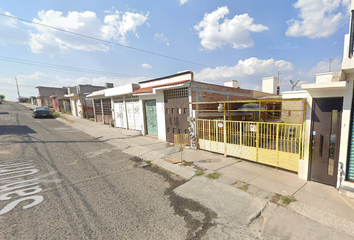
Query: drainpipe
{"x": 225, "y": 154}
{"x": 102, "y": 111}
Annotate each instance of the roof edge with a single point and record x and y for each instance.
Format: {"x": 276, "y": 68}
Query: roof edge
{"x": 174, "y": 75}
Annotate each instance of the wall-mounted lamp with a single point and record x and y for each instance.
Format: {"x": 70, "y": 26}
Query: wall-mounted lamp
{"x": 221, "y": 107}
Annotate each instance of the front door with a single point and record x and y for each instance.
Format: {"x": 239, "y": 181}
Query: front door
{"x": 120, "y": 117}
{"x": 325, "y": 137}
{"x": 177, "y": 112}
{"x": 133, "y": 112}
{"x": 151, "y": 117}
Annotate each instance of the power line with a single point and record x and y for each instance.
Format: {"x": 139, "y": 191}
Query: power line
{"x": 114, "y": 43}
{"x": 102, "y": 40}
{"x": 61, "y": 67}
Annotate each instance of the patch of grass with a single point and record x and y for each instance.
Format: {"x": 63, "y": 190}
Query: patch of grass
{"x": 148, "y": 162}
{"x": 154, "y": 165}
{"x": 188, "y": 163}
{"x": 199, "y": 173}
{"x": 214, "y": 175}
{"x": 288, "y": 199}
{"x": 244, "y": 187}
{"x": 165, "y": 170}
{"x": 275, "y": 198}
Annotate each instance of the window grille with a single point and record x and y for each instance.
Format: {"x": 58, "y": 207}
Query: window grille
{"x": 176, "y": 93}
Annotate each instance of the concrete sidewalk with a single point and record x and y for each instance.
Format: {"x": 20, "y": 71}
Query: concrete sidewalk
{"x": 318, "y": 202}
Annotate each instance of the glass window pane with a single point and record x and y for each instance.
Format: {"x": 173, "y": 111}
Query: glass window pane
{"x": 332, "y": 141}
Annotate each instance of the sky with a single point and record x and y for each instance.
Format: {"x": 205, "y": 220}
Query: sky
{"x": 66, "y": 43}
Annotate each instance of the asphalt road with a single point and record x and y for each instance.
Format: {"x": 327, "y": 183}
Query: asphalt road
{"x": 59, "y": 183}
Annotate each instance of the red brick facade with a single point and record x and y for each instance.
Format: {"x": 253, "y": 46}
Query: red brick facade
{"x": 203, "y": 92}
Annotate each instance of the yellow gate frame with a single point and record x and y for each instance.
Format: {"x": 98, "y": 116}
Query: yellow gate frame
{"x": 272, "y": 143}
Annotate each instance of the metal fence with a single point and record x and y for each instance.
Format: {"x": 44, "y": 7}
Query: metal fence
{"x": 276, "y": 144}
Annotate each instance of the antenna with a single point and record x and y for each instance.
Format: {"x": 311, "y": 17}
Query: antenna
{"x": 330, "y": 63}
{"x": 293, "y": 84}
{"x": 279, "y": 73}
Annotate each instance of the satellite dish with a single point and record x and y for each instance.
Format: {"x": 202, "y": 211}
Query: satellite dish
{"x": 293, "y": 84}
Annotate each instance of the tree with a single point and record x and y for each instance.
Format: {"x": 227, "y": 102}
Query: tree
{"x": 2, "y": 97}
{"x": 24, "y": 99}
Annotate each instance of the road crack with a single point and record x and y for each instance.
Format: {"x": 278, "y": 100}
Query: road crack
{"x": 199, "y": 219}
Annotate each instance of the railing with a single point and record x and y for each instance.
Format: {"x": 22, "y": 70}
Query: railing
{"x": 277, "y": 144}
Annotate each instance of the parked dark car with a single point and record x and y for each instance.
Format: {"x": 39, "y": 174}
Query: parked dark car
{"x": 42, "y": 112}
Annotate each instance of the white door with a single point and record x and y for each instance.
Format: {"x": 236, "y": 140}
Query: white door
{"x": 79, "y": 108}
{"x": 119, "y": 115}
{"x": 73, "y": 107}
{"x": 134, "y": 118}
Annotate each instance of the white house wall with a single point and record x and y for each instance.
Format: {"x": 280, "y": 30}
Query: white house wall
{"x": 345, "y": 125}
{"x": 73, "y": 107}
{"x": 121, "y": 90}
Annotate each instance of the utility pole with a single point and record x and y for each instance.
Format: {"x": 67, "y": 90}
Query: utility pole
{"x": 18, "y": 91}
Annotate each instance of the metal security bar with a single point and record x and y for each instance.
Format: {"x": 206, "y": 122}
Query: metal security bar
{"x": 276, "y": 144}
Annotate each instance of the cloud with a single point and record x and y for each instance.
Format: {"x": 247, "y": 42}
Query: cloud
{"x": 145, "y": 65}
{"x": 119, "y": 25}
{"x": 36, "y": 75}
{"x": 249, "y": 67}
{"x": 318, "y": 18}
{"x": 116, "y": 26}
{"x": 182, "y": 1}
{"x": 161, "y": 38}
{"x": 11, "y": 31}
{"x": 234, "y": 31}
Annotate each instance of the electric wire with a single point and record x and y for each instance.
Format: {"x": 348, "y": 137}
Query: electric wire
{"x": 114, "y": 43}
{"x": 102, "y": 40}
{"x": 61, "y": 67}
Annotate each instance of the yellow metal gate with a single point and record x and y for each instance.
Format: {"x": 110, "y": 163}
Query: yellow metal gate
{"x": 275, "y": 144}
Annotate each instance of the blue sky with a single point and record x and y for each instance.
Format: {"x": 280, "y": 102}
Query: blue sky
{"x": 217, "y": 40}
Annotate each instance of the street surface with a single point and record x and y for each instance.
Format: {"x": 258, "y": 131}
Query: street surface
{"x": 59, "y": 183}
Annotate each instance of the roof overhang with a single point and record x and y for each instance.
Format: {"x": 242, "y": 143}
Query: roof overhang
{"x": 153, "y": 89}
{"x": 72, "y": 95}
{"x": 96, "y": 95}
{"x": 341, "y": 85}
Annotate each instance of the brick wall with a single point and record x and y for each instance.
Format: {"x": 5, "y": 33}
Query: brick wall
{"x": 211, "y": 97}
{"x": 203, "y": 92}
{"x": 206, "y": 86}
